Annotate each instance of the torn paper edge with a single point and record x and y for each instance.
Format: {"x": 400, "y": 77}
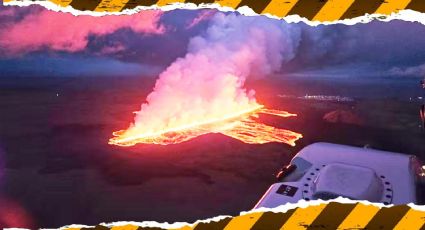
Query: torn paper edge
{"x": 279, "y": 209}
{"x": 405, "y": 15}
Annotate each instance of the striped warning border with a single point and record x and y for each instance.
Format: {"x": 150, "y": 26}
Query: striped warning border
{"x": 314, "y": 10}
{"x": 332, "y": 215}
{"x": 323, "y": 216}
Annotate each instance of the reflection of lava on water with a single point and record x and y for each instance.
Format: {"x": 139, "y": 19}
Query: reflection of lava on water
{"x": 242, "y": 126}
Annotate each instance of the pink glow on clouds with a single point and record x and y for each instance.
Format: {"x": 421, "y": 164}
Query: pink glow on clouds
{"x": 66, "y": 32}
{"x": 7, "y": 12}
{"x": 112, "y": 49}
{"x": 202, "y": 16}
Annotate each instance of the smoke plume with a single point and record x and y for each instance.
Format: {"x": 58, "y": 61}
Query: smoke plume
{"x": 208, "y": 82}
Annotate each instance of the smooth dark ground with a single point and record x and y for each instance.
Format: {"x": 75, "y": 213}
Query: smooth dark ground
{"x": 59, "y": 169}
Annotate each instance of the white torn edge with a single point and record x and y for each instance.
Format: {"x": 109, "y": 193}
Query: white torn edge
{"x": 405, "y": 15}
{"x": 342, "y": 200}
{"x": 282, "y": 208}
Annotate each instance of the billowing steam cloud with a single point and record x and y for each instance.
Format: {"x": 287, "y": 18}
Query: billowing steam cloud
{"x": 209, "y": 81}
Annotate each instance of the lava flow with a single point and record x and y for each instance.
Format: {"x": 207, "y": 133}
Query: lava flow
{"x": 204, "y": 91}
{"x": 242, "y": 125}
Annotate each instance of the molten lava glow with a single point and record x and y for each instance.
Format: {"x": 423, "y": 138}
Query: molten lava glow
{"x": 204, "y": 91}
{"x": 241, "y": 125}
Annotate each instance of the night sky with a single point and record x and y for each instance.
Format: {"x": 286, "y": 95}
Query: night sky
{"x": 38, "y": 42}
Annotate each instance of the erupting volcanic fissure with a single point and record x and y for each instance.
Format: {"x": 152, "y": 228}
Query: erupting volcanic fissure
{"x": 204, "y": 92}
{"x": 241, "y": 126}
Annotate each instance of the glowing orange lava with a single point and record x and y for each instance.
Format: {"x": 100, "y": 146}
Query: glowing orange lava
{"x": 241, "y": 125}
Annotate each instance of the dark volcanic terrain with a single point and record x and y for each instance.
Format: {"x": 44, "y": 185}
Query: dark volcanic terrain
{"x": 57, "y": 165}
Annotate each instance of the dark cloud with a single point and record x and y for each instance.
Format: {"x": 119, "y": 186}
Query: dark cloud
{"x": 364, "y": 48}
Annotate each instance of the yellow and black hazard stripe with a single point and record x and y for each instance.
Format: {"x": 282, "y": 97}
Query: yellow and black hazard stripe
{"x": 324, "y": 216}
{"x": 316, "y": 10}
